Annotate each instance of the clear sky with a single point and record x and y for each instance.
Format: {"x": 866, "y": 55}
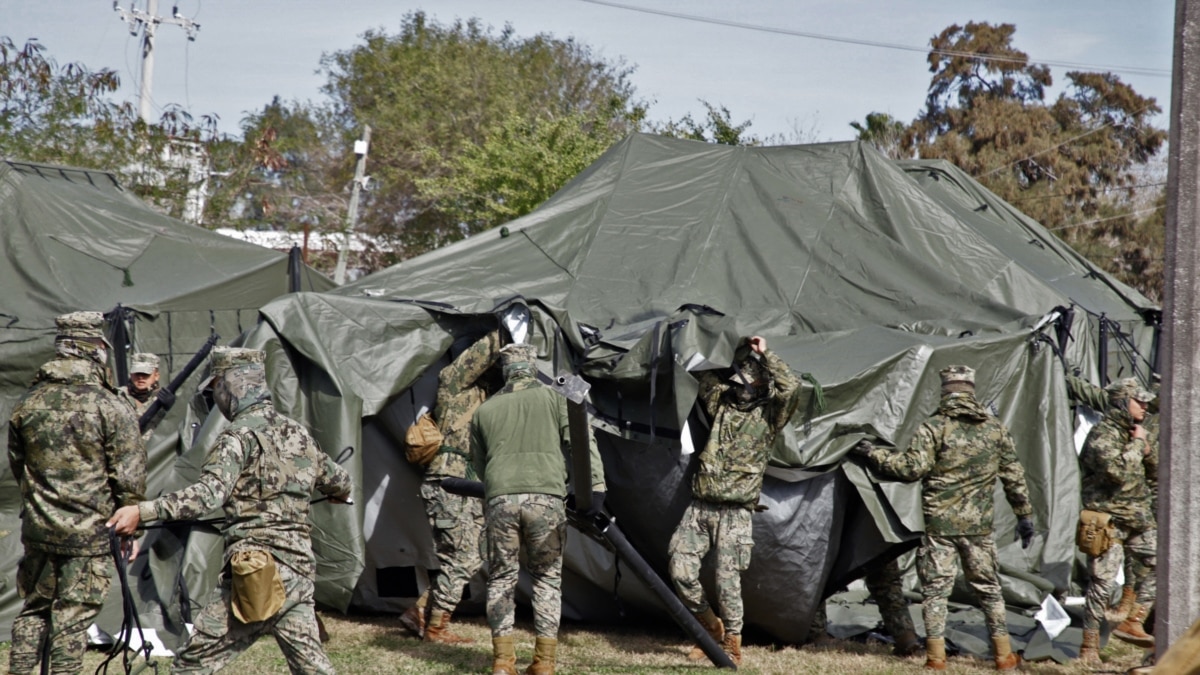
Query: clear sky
{"x": 781, "y": 72}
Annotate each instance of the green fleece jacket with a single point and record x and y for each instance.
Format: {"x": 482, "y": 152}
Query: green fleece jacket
{"x": 520, "y": 441}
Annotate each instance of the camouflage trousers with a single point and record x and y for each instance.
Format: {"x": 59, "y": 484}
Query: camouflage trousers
{"x": 885, "y": 583}
{"x": 937, "y": 566}
{"x": 220, "y": 637}
{"x": 63, "y": 595}
{"x": 537, "y": 524}
{"x": 706, "y": 526}
{"x": 457, "y": 524}
{"x": 1139, "y": 551}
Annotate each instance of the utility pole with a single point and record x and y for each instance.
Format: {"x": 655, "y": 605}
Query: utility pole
{"x": 1178, "y": 603}
{"x": 360, "y": 149}
{"x": 148, "y": 22}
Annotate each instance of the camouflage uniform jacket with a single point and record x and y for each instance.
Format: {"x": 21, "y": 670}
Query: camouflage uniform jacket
{"x": 739, "y": 444}
{"x": 1113, "y": 472}
{"x": 75, "y": 450}
{"x": 958, "y": 453}
{"x": 263, "y": 469}
{"x": 520, "y": 441}
{"x": 461, "y": 390}
{"x": 1096, "y": 398}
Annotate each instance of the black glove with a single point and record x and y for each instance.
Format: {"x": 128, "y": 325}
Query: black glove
{"x": 597, "y": 504}
{"x": 1025, "y": 531}
{"x": 862, "y": 448}
{"x": 166, "y": 397}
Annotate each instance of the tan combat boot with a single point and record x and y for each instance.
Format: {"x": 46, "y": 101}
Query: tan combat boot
{"x": 712, "y": 623}
{"x": 1124, "y": 607}
{"x": 935, "y": 653}
{"x": 732, "y": 644}
{"x": 907, "y": 644}
{"x": 1003, "y": 653}
{"x": 438, "y": 629}
{"x": 413, "y": 618}
{"x": 1089, "y": 649}
{"x": 1131, "y": 629}
{"x": 544, "y": 649}
{"x": 504, "y": 656}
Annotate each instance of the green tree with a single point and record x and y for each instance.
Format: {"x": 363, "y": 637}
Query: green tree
{"x": 884, "y": 132}
{"x": 440, "y": 97}
{"x": 716, "y": 127}
{"x": 1071, "y": 163}
{"x": 64, "y": 114}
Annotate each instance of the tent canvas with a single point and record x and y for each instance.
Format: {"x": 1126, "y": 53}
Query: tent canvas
{"x": 867, "y": 273}
{"x": 75, "y": 239}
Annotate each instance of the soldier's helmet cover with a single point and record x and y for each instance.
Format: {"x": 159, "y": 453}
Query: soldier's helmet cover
{"x": 143, "y": 363}
{"x": 239, "y": 379}
{"x": 81, "y": 335}
{"x": 957, "y": 378}
{"x": 1128, "y": 388}
{"x": 517, "y": 358}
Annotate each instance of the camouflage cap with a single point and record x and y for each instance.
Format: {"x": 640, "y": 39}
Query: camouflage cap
{"x": 1126, "y": 389}
{"x": 957, "y": 375}
{"x": 517, "y": 353}
{"x": 81, "y": 325}
{"x": 225, "y": 358}
{"x": 143, "y": 363}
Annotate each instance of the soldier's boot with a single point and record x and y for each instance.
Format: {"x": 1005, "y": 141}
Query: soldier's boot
{"x": 907, "y": 644}
{"x": 438, "y": 629}
{"x": 544, "y": 650}
{"x": 732, "y": 644}
{"x": 1089, "y": 649}
{"x": 1132, "y": 631}
{"x": 935, "y": 653}
{"x": 413, "y": 618}
{"x": 504, "y": 656}
{"x": 1125, "y": 606}
{"x": 1003, "y": 653}
{"x": 712, "y": 623}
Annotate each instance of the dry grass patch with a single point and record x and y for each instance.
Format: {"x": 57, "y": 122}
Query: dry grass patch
{"x": 369, "y": 645}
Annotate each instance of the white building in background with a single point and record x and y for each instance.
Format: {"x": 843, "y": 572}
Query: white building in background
{"x": 325, "y": 245}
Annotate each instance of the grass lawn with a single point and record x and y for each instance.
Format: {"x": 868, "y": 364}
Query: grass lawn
{"x": 378, "y": 644}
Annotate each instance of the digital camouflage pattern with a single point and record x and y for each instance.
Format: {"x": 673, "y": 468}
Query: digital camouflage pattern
{"x": 262, "y": 470}
{"x": 1138, "y": 551}
{"x": 726, "y": 529}
{"x": 958, "y": 453}
{"x": 63, "y": 594}
{"x": 219, "y": 637}
{"x": 457, "y": 523}
{"x": 536, "y": 523}
{"x": 937, "y": 566}
{"x": 1113, "y": 472}
{"x": 143, "y": 363}
{"x": 732, "y": 462}
{"x": 74, "y": 450}
{"x": 462, "y": 387}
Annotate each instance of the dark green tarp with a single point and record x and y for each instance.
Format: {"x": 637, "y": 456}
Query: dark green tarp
{"x": 73, "y": 239}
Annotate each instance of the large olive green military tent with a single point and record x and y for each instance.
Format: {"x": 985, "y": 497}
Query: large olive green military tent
{"x": 73, "y": 239}
{"x": 867, "y": 273}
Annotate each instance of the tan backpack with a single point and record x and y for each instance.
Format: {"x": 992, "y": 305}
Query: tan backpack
{"x": 422, "y": 440}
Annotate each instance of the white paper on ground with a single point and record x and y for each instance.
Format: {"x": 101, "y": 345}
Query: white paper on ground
{"x": 1053, "y": 617}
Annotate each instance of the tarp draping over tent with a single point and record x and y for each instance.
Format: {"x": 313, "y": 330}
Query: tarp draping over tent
{"x": 74, "y": 239}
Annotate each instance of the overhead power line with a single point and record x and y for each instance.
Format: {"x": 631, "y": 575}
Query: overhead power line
{"x": 1130, "y": 70}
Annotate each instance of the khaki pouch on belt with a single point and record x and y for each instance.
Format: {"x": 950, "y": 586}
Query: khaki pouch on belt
{"x": 422, "y": 441}
{"x": 257, "y": 589}
{"x": 1094, "y": 534}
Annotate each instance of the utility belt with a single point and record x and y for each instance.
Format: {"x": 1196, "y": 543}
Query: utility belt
{"x": 1095, "y": 533}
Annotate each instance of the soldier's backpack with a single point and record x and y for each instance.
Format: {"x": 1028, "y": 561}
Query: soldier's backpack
{"x": 422, "y": 440}
{"x": 1094, "y": 534}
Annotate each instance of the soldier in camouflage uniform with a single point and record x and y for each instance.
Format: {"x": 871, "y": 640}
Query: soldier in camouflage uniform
{"x": 958, "y": 454}
{"x": 143, "y": 389}
{"x": 262, "y": 471}
{"x": 75, "y": 451}
{"x": 456, "y": 521}
{"x": 885, "y": 584}
{"x": 747, "y": 411}
{"x": 1113, "y": 475}
{"x": 519, "y": 438}
{"x": 1096, "y": 398}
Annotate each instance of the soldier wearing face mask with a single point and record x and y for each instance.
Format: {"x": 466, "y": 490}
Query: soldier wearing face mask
{"x": 262, "y": 472}
{"x": 74, "y": 448}
{"x": 748, "y": 408}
